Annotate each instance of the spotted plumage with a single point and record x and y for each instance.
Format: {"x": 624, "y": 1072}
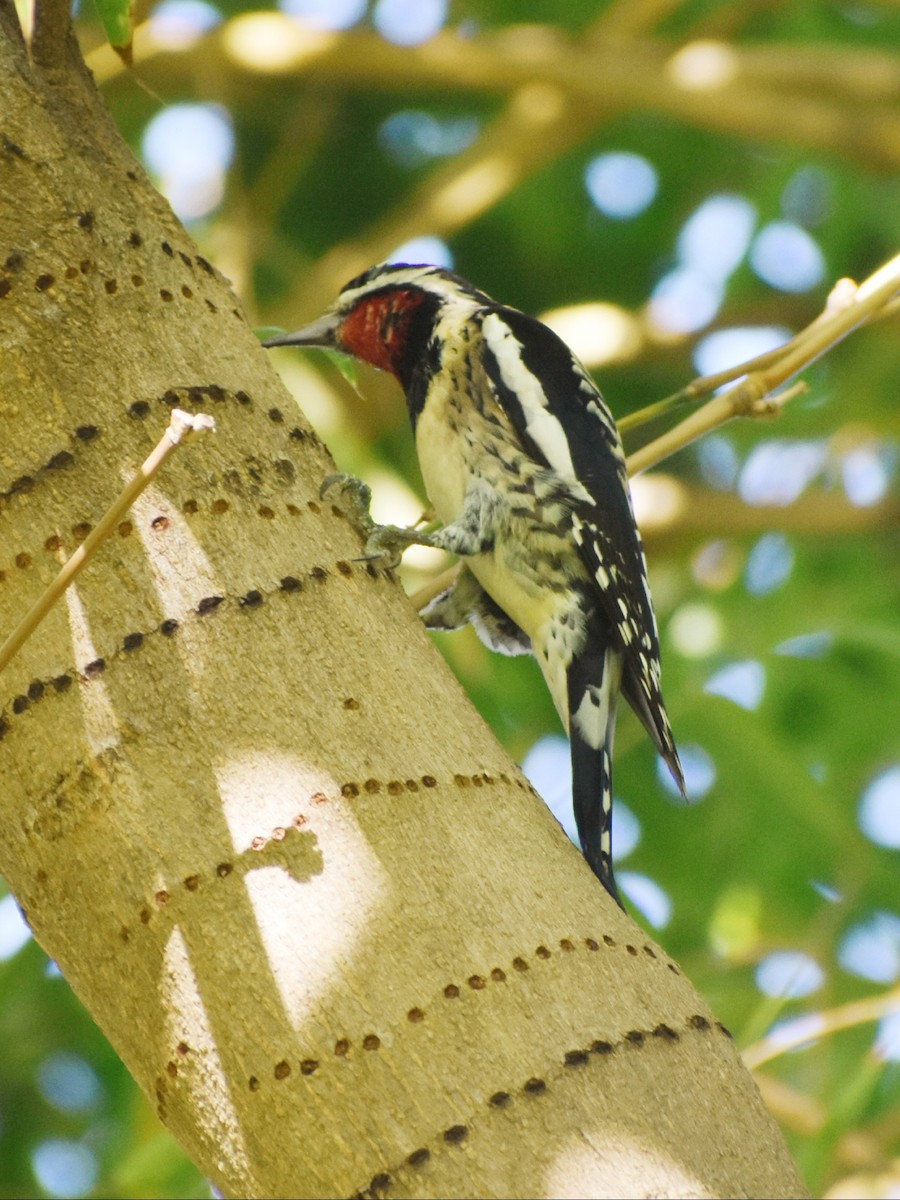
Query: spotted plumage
{"x": 524, "y": 467}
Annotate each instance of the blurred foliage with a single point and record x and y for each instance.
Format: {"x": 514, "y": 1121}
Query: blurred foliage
{"x": 805, "y": 125}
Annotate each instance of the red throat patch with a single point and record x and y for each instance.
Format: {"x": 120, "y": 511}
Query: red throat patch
{"x": 377, "y": 329}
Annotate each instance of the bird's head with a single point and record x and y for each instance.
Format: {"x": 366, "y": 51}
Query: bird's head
{"x": 386, "y": 316}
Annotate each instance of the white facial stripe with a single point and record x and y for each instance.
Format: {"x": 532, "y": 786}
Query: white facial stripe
{"x": 425, "y": 277}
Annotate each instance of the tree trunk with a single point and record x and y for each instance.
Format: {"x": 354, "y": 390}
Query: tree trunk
{"x": 329, "y": 928}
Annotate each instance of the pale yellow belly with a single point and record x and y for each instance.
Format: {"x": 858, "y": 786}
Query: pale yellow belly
{"x": 441, "y": 453}
{"x": 511, "y": 573}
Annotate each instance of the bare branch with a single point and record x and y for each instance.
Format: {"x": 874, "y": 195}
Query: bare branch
{"x": 822, "y": 1024}
{"x": 848, "y": 308}
{"x": 559, "y": 90}
{"x": 631, "y": 18}
{"x": 699, "y": 513}
{"x": 538, "y": 123}
{"x": 730, "y": 89}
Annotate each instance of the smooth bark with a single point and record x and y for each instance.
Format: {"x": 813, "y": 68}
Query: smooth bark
{"x": 329, "y": 928}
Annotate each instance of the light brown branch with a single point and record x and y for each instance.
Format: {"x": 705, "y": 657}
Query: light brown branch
{"x": 538, "y": 123}
{"x": 698, "y": 513}
{"x": 860, "y": 74}
{"x": 653, "y": 76}
{"x": 628, "y": 19}
{"x": 831, "y": 1021}
{"x": 181, "y": 426}
{"x": 793, "y": 1109}
{"x": 560, "y": 89}
{"x": 749, "y": 398}
{"x": 437, "y": 584}
{"x": 754, "y": 395}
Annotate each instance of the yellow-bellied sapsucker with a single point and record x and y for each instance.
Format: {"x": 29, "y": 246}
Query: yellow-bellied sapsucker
{"x": 524, "y": 466}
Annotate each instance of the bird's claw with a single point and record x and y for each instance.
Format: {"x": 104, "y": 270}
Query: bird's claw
{"x": 357, "y": 497}
{"x": 385, "y": 544}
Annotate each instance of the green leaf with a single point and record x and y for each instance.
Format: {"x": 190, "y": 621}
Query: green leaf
{"x": 118, "y": 22}
{"x": 347, "y": 365}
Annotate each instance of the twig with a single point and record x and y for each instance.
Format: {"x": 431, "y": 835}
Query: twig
{"x": 182, "y": 426}
{"x": 705, "y": 385}
{"x": 845, "y": 1016}
{"x": 848, "y": 307}
{"x": 750, "y": 398}
{"x": 843, "y": 294}
{"x": 437, "y": 584}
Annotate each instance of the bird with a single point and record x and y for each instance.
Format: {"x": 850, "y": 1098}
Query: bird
{"x": 525, "y": 470}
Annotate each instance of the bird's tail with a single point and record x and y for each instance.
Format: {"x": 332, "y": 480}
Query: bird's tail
{"x": 645, "y": 697}
{"x": 593, "y": 686}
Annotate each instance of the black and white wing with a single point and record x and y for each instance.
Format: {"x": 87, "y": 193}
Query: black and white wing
{"x": 563, "y": 422}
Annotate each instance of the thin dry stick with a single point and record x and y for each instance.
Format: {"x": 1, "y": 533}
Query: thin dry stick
{"x": 752, "y": 396}
{"x": 845, "y": 1016}
{"x": 869, "y": 301}
{"x": 182, "y": 426}
{"x": 749, "y": 398}
{"x": 847, "y": 308}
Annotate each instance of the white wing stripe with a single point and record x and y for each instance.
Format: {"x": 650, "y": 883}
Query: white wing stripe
{"x": 543, "y": 427}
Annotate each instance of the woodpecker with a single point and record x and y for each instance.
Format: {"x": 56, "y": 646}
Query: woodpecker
{"x": 525, "y": 470}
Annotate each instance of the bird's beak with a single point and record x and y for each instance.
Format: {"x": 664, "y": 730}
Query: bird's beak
{"x": 323, "y": 332}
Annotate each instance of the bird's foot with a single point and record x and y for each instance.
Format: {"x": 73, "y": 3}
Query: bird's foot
{"x": 356, "y": 498}
{"x": 385, "y": 544}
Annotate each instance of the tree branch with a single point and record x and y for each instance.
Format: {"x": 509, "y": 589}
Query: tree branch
{"x": 848, "y": 308}
{"x": 536, "y": 126}
{"x": 52, "y": 26}
{"x": 701, "y": 512}
{"x": 821, "y": 1024}
{"x": 628, "y": 19}
{"x": 722, "y": 91}
{"x": 561, "y": 89}
{"x": 696, "y": 513}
